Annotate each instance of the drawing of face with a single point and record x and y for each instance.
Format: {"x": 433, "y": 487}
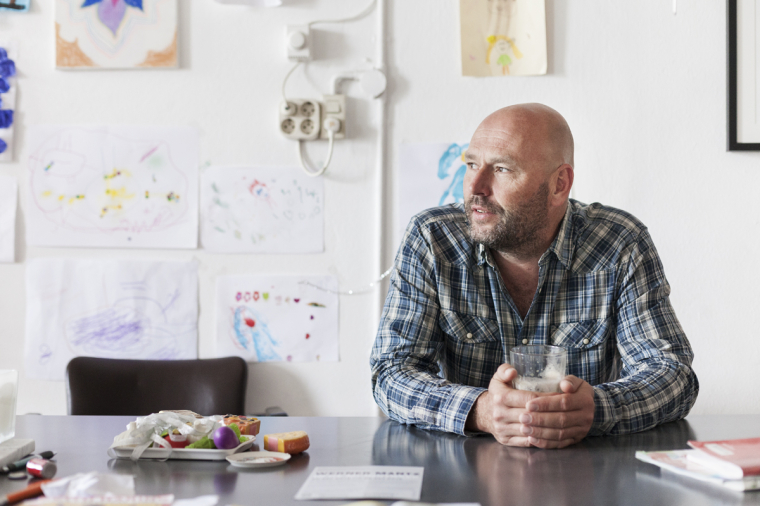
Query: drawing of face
{"x": 501, "y": 47}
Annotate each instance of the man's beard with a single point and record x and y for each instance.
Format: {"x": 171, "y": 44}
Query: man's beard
{"x": 517, "y": 230}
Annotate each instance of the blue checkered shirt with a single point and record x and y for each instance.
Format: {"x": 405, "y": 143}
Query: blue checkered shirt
{"x": 449, "y": 322}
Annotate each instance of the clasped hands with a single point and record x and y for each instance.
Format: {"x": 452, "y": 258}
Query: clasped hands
{"x": 519, "y": 418}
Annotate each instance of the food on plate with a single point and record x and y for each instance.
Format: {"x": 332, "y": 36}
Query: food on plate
{"x": 287, "y": 442}
{"x": 208, "y": 442}
{"x": 176, "y": 439}
{"x": 225, "y": 438}
{"x": 248, "y": 425}
{"x": 185, "y": 412}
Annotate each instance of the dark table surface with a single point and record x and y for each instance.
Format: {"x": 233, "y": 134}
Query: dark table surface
{"x": 598, "y": 471}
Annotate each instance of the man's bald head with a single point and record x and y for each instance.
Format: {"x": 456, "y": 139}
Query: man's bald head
{"x": 540, "y": 133}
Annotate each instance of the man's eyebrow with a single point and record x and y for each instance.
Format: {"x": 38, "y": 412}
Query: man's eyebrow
{"x": 500, "y": 159}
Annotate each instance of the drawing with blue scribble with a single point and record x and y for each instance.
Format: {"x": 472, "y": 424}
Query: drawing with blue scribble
{"x": 252, "y": 334}
{"x": 451, "y": 158}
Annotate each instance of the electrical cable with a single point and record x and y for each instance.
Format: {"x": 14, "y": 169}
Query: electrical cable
{"x": 285, "y": 81}
{"x": 356, "y": 17}
{"x": 351, "y": 292}
{"x": 319, "y": 172}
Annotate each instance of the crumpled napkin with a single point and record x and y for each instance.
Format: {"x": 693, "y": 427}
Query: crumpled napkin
{"x": 89, "y": 484}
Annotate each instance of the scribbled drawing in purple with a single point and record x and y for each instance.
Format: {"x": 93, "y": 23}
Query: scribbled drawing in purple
{"x": 111, "y": 12}
{"x": 45, "y": 354}
{"x": 251, "y": 333}
{"x": 111, "y": 330}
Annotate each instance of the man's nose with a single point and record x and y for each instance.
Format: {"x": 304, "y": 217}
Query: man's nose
{"x": 480, "y": 181}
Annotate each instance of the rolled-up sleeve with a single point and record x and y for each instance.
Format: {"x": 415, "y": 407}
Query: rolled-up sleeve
{"x": 657, "y": 383}
{"x": 406, "y": 379}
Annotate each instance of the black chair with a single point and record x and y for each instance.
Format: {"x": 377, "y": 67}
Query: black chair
{"x": 102, "y": 386}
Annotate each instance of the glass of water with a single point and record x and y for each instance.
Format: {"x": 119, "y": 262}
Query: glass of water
{"x": 540, "y": 368}
{"x": 8, "y": 389}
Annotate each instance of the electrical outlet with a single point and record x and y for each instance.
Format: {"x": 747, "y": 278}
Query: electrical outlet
{"x": 335, "y": 108}
{"x": 298, "y": 42}
{"x": 300, "y": 119}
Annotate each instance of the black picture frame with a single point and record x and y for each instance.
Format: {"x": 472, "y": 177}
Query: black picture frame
{"x": 733, "y": 144}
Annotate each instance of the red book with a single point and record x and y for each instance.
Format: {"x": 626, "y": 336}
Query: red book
{"x": 732, "y": 459}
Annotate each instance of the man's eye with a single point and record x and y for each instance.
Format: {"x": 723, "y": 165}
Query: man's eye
{"x": 471, "y": 165}
{"x": 502, "y": 169}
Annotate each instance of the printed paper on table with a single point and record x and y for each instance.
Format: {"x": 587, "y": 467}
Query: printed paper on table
{"x": 288, "y": 318}
{"x": 8, "y": 86}
{"x": 113, "y": 187}
{"x": 503, "y": 37}
{"x": 430, "y": 175}
{"x": 125, "y": 34}
{"x": 108, "y": 309}
{"x": 261, "y": 210}
{"x": 8, "y": 196}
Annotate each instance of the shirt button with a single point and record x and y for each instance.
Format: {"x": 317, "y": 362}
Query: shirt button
{"x": 525, "y": 341}
{"x": 586, "y": 341}
{"x": 469, "y": 336}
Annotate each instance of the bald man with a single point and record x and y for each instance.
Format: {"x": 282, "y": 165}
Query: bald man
{"x": 521, "y": 263}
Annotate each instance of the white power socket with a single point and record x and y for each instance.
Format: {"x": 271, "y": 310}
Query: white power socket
{"x": 334, "y": 109}
{"x": 301, "y": 119}
{"x": 298, "y": 42}
{"x": 307, "y": 120}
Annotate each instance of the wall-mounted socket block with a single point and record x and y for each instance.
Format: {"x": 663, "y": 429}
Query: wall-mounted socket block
{"x": 298, "y": 42}
{"x": 334, "y": 106}
{"x": 301, "y": 119}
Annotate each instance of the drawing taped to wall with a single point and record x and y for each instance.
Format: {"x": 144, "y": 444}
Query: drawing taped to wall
{"x": 108, "y": 309}
{"x": 261, "y": 210}
{"x": 15, "y": 5}
{"x": 503, "y": 37}
{"x": 430, "y": 175}
{"x": 93, "y": 34}
{"x": 113, "y": 187}
{"x": 277, "y": 318}
{"x": 7, "y": 99}
{"x": 8, "y": 196}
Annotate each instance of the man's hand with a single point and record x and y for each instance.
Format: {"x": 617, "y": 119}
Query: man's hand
{"x": 560, "y": 420}
{"x": 499, "y": 409}
{"x": 520, "y": 418}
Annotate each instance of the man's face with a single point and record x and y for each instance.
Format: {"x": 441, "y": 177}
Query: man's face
{"x": 506, "y": 187}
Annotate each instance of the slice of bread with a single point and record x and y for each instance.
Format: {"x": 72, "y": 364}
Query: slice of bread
{"x": 248, "y": 426}
{"x": 287, "y": 442}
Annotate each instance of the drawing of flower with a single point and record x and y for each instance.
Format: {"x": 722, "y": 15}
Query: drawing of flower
{"x": 111, "y": 12}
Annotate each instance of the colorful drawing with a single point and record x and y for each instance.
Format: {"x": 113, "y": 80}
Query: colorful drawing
{"x": 110, "y": 309}
{"x": 116, "y": 34}
{"x": 15, "y": 5}
{"x": 277, "y": 318}
{"x": 8, "y": 196}
{"x": 430, "y": 175}
{"x": 7, "y": 101}
{"x": 261, "y": 210}
{"x": 503, "y": 37}
{"x": 113, "y": 187}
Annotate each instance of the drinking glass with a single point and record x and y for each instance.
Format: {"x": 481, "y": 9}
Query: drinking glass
{"x": 540, "y": 368}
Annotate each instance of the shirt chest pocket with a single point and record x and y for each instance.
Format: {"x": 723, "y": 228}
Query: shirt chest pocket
{"x": 468, "y": 329}
{"x": 589, "y": 348}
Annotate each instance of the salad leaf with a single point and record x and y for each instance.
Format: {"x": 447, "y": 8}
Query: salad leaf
{"x": 236, "y": 429}
{"x": 204, "y": 443}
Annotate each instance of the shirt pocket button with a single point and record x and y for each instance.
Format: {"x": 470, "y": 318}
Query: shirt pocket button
{"x": 586, "y": 341}
{"x": 469, "y": 335}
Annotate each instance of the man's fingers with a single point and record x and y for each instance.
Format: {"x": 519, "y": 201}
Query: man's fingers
{"x": 554, "y": 420}
{"x": 543, "y": 443}
{"x": 505, "y": 373}
{"x": 570, "y": 384}
{"x": 543, "y": 433}
{"x": 562, "y": 402}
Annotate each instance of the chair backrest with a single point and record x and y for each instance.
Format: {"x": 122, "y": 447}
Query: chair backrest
{"x": 102, "y": 386}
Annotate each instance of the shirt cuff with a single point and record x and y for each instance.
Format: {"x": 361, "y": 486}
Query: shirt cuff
{"x": 453, "y": 415}
{"x": 604, "y": 413}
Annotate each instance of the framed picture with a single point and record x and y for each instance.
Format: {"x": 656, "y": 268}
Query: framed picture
{"x": 743, "y": 75}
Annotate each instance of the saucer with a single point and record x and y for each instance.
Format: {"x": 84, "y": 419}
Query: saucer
{"x": 258, "y": 459}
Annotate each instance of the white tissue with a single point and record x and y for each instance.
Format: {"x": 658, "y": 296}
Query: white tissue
{"x": 89, "y": 484}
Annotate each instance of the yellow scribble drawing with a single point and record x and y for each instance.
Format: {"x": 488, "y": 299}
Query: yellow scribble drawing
{"x": 500, "y": 45}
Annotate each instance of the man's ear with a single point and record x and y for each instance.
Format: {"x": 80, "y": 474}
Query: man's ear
{"x": 563, "y": 182}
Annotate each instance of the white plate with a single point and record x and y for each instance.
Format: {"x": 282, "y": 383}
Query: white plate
{"x": 258, "y": 459}
{"x": 185, "y": 453}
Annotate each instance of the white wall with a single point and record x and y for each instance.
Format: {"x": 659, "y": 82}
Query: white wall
{"x": 642, "y": 89}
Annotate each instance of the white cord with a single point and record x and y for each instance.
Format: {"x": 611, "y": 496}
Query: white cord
{"x": 363, "y": 13}
{"x": 310, "y": 172}
{"x": 351, "y": 292}
{"x": 285, "y": 81}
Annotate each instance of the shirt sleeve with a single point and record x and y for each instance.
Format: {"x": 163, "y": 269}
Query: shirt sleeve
{"x": 406, "y": 379}
{"x": 657, "y": 383}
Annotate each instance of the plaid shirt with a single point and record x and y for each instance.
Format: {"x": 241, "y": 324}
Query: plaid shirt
{"x": 449, "y": 322}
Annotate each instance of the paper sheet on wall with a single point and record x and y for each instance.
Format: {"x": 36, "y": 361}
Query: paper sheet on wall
{"x": 8, "y": 196}
{"x": 261, "y": 210}
{"x": 125, "y": 34}
{"x": 430, "y": 175}
{"x": 503, "y": 37}
{"x": 108, "y": 309}
{"x": 277, "y": 318}
{"x": 118, "y": 186}
{"x": 8, "y": 87}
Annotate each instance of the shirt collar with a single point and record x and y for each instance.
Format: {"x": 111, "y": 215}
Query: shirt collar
{"x": 562, "y": 246}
